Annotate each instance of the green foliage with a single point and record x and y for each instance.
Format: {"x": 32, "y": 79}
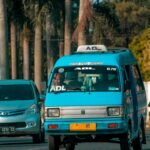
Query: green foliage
{"x": 140, "y": 47}
{"x": 106, "y": 23}
{"x": 107, "y": 10}
{"x": 133, "y": 19}
{"x": 114, "y": 23}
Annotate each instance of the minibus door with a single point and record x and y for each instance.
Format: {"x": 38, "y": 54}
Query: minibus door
{"x": 132, "y": 86}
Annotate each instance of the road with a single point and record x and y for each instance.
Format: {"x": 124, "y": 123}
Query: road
{"x": 25, "y": 143}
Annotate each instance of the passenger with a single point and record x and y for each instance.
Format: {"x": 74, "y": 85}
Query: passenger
{"x": 59, "y": 79}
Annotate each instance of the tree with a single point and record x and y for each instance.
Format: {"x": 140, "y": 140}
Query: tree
{"x": 18, "y": 23}
{"x": 106, "y": 23}
{"x": 54, "y": 32}
{"x": 85, "y": 15}
{"x": 13, "y": 50}
{"x": 67, "y": 45}
{"x": 3, "y": 41}
{"x": 61, "y": 34}
{"x": 140, "y": 47}
{"x": 14, "y": 12}
{"x": 38, "y": 48}
{"x": 26, "y": 36}
{"x": 81, "y": 34}
{"x": 133, "y": 19}
{"x": 33, "y": 10}
{"x": 50, "y": 34}
{"x": 48, "y": 37}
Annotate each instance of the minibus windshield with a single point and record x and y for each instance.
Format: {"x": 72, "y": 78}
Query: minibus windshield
{"x": 85, "y": 78}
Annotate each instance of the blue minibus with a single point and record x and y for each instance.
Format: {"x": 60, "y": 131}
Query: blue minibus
{"x": 96, "y": 94}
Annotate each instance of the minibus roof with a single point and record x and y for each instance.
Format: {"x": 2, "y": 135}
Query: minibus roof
{"x": 115, "y": 57}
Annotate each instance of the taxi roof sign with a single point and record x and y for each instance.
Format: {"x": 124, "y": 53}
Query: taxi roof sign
{"x": 92, "y": 48}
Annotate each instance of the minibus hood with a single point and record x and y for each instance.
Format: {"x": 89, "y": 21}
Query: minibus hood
{"x": 83, "y": 99}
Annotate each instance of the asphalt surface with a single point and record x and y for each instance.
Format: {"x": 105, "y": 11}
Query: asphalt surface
{"x": 25, "y": 143}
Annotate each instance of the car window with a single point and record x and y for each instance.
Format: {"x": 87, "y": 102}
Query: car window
{"x": 16, "y": 92}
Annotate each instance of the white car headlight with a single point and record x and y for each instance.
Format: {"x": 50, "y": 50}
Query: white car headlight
{"x": 53, "y": 112}
{"x": 32, "y": 109}
{"x": 114, "y": 111}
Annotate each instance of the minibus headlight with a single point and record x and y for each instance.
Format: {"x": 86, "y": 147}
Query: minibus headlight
{"x": 114, "y": 111}
{"x": 53, "y": 112}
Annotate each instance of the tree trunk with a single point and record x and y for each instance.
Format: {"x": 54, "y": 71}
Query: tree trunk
{"x": 13, "y": 51}
{"x": 81, "y": 34}
{"x": 67, "y": 42}
{"x": 61, "y": 35}
{"x": 48, "y": 38}
{"x": 26, "y": 74}
{"x": 38, "y": 56}
{"x": 38, "y": 49}
{"x": 3, "y": 41}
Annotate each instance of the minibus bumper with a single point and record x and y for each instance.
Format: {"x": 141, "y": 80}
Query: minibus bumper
{"x": 115, "y": 126}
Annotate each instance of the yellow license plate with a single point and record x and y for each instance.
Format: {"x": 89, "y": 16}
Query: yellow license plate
{"x": 83, "y": 127}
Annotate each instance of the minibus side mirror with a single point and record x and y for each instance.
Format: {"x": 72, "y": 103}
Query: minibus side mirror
{"x": 149, "y": 104}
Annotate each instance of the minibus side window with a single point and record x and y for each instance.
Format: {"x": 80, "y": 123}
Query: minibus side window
{"x": 126, "y": 79}
{"x": 137, "y": 77}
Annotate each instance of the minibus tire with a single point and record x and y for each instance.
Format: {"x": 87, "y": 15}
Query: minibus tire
{"x": 124, "y": 142}
{"x": 70, "y": 146}
{"x": 53, "y": 142}
{"x": 137, "y": 144}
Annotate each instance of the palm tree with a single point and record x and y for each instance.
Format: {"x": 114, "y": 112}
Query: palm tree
{"x": 48, "y": 37}
{"x": 17, "y": 19}
{"x": 54, "y": 30}
{"x": 3, "y": 41}
{"x": 61, "y": 34}
{"x": 33, "y": 11}
{"x": 81, "y": 34}
{"x": 85, "y": 15}
{"x": 38, "y": 49}
{"x": 13, "y": 50}
{"x": 67, "y": 44}
{"x": 26, "y": 34}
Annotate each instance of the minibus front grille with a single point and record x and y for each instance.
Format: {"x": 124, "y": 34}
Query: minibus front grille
{"x": 83, "y": 112}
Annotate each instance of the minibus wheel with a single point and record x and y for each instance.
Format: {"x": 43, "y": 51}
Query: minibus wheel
{"x": 125, "y": 141}
{"x": 137, "y": 143}
{"x": 70, "y": 146}
{"x": 53, "y": 142}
